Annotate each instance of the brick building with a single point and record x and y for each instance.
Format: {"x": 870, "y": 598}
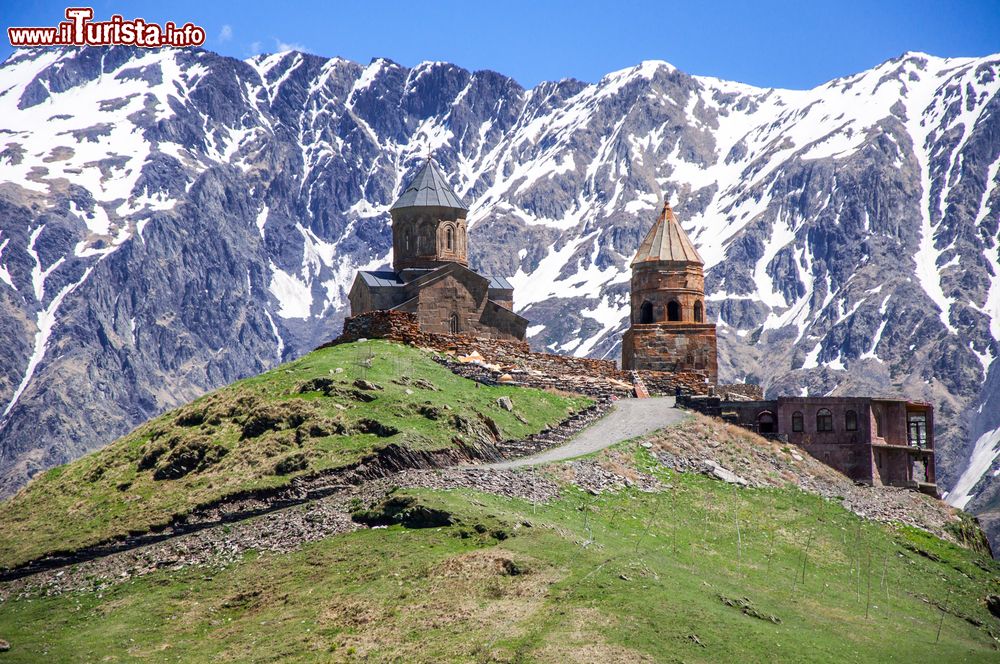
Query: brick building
{"x": 668, "y": 330}
{"x": 431, "y": 277}
{"x": 871, "y": 440}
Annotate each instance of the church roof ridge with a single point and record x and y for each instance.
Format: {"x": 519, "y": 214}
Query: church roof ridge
{"x": 666, "y": 241}
{"x": 429, "y": 188}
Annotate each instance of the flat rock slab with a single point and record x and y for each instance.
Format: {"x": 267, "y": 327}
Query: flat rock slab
{"x": 627, "y": 419}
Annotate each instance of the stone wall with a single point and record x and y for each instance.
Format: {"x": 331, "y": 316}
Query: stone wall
{"x": 419, "y": 237}
{"x": 672, "y": 347}
{"x": 451, "y": 297}
{"x": 667, "y": 383}
{"x": 740, "y": 392}
{"x": 404, "y": 327}
{"x": 667, "y": 281}
{"x": 524, "y": 366}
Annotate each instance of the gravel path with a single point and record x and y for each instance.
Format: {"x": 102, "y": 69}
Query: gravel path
{"x": 628, "y": 418}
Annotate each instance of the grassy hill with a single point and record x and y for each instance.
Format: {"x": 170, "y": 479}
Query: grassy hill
{"x": 696, "y": 571}
{"x": 630, "y": 561}
{"x": 301, "y": 418}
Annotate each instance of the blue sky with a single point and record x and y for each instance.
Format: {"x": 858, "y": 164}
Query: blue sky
{"x": 768, "y": 43}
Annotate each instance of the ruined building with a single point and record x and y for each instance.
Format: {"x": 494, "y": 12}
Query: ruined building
{"x": 431, "y": 276}
{"x": 871, "y": 440}
{"x": 668, "y": 329}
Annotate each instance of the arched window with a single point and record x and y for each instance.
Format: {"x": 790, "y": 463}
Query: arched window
{"x": 407, "y": 240}
{"x": 646, "y": 313}
{"x": 699, "y": 312}
{"x": 824, "y": 420}
{"x": 851, "y": 420}
{"x": 673, "y": 310}
{"x": 450, "y": 239}
{"x": 453, "y": 323}
{"x": 766, "y": 422}
{"x": 798, "y": 422}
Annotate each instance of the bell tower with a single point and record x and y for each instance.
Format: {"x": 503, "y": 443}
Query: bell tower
{"x": 668, "y": 328}
{"x": 428, "y": 223}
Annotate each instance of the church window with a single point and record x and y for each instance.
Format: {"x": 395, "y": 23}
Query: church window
{"x": 407, "y": 240}
{"x": 824, "y": 420}
{"x": 453, "y": 323}
{"x": 699, "y": 314}
{"x": 851, "y": 420}
{"x": 674, "y": 310}
{"x": 646, "y": 313}
{"x": 450, "y": 239}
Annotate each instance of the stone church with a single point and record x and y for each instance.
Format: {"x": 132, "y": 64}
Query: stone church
{"x": 668, "y": 330}
{"x": 430, "y": 274}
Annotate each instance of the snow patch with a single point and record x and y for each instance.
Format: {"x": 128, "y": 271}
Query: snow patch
{"x": 277, "y": 337}
{"x": 984, "y": 453}
{"x": 294, "y": 295}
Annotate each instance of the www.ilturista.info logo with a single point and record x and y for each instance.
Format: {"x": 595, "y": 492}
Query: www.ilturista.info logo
{"x": 79, "y": 30}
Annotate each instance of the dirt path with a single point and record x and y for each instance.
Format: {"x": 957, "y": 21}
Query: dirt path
{"x": 629, "y": 418}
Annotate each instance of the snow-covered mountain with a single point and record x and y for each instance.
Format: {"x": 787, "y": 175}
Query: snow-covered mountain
{"x": 173, "y": 220}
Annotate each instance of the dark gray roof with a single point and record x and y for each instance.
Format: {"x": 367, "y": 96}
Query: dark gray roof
{"x": 380, "y": 278}
{"x": 500, "y": 282}
{"x": 387, "y": 278}
{"x": 429, "y": 188}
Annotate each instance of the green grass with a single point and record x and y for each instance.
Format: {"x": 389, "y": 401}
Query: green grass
{"x": 615, "y": 577}
{"x": 115, "y": 491}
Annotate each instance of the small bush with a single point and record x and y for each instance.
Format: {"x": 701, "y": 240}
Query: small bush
{"x": 292, "y": 463}
{"x": 404, "y": 510}
{"x": 191, "y": 456}
{"x": 368, "y": 425}
{"x": 276, "y": 417}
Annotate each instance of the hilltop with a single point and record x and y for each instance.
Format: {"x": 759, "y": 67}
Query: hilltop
{"x": 328, "y": 411}
{"x": 699, "y": 542}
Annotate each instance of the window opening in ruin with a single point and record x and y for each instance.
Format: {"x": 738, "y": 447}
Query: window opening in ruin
{"x": 699, "y": 314}
{"x": 646, "y": 313}
{"x": 879, "y": 425}
{"x": 766, "y": 422}
{"x": 673, "y": 310}
{"x": 916, "y": 433}
{"x": 824, "y": 420}
{"x": 851, "y": 420}
{"x": 453, "y": 323}
{"x": 798, "y": 422}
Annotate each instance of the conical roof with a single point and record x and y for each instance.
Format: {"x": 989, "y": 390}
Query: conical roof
{"x": 666, "y": 241}
{"x": 429, "y": 188}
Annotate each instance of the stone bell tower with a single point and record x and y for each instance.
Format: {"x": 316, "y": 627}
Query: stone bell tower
{"x": 668, "y": 330}
{"x": 428, "y": 223}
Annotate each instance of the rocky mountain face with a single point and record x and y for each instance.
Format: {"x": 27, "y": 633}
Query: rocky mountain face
{"x": 174, "y": 220}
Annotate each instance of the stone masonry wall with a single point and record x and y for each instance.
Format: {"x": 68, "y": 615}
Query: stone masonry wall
{"x": 685, "y": 347}
{"x": 544, "y": 370}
